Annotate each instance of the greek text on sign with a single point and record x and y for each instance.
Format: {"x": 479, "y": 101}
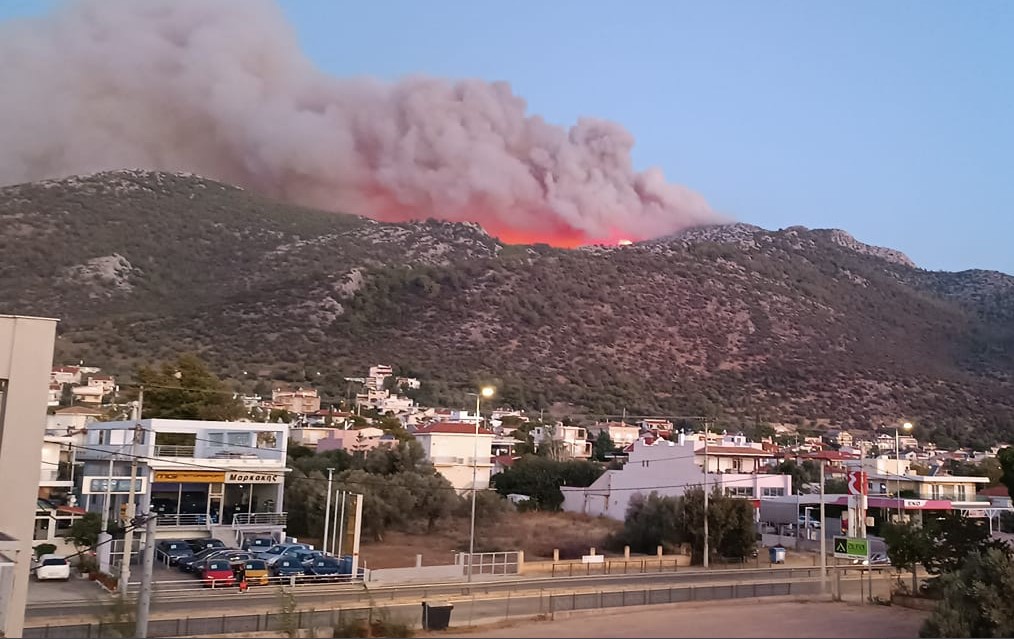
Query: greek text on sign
{"x": 189, "y": 476}
{"x": 237, "y": 477}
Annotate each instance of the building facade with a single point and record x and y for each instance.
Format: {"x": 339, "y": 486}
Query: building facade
{"x": 26, "y": 360}
{"x": 455, "y": 450}
{"x": 203, "y": 478}
{"x": 668, "y": 468}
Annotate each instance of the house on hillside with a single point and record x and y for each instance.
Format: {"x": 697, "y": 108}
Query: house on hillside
{"x": 89, "y": 395}
{"x": 669, "y": 468}
{"x": 572, "y": 440}
{"x": 65, "y": 375}
{"x": 299, "y": 402}
{"x": 354, "y": 440}
{"x": 620, "y": 433}
{"x": 838, "y": 437}
{"x": 457, "y": 451}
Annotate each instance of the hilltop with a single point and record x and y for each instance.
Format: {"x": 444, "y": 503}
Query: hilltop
{"x": 800, "y": 325}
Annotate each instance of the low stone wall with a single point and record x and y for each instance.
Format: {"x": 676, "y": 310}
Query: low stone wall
{"x": 422, "y": 574}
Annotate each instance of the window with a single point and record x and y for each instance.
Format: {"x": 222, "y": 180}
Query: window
{"x": 773, "y": 492}
{"x": 216, "y": 440}
{"x": 238, "y": 438}
{"x": 959, "y": 490}
{"x": 935, "y": 491}
{"x": 103, "y": 437}
{"x": 268, "y": 439}
{"x": 739, "y": 491}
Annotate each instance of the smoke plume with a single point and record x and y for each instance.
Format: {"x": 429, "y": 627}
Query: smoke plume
{"x": 221, "y": 88}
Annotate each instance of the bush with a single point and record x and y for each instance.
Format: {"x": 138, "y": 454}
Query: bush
{"x": 45, "y": 549}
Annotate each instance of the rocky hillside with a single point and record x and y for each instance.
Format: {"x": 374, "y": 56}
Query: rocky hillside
{"x": 792, "y": 325}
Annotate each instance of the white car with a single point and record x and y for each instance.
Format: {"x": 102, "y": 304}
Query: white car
{"x": 52, "y": 567}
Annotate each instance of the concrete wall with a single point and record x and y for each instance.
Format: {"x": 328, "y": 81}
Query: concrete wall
{"x": 423, "y": 574}
{"x": 26, "y": 358}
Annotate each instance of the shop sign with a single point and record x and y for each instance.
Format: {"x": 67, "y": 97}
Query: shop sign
{"x": 242, "y": 477}
{"x": 189, "y": 476}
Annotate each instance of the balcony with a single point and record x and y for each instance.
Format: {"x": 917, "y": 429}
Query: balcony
{"x": 241, "y": 520}
{"x": 173, "y": 520}
{"x": 174, "y": 451}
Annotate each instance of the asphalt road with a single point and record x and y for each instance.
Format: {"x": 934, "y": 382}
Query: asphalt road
{"x": 187, "y": 597}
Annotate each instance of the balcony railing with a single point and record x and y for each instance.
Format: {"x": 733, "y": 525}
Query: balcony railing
{"x": 258, "y": 519}
{"x": 174, "y": 451}
{"x": 174, "y": 520}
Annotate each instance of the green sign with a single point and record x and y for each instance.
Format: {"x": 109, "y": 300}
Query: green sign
{"x": 851, "y": 548}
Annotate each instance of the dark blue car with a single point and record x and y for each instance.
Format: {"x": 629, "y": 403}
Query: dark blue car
{"x": 287, "y": 567}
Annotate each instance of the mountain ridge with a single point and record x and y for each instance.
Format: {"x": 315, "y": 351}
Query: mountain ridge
{"x": 797, "y": 325}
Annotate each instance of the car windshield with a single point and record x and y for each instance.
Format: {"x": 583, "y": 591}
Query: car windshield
{"x": 54, "y": 561}
{"x": 218, "y": 565}
{"x": 275, "y": 550}
{"x": 255, "y": 565}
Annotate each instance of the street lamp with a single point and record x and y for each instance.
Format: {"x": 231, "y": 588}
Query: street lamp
{"x": 484, "y": 392}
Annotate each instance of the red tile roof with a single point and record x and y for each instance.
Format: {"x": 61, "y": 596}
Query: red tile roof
{"x": 452, "y": 428}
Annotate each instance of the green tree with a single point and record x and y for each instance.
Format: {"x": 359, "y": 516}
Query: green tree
{"x": 908, "y": 546}
{"x": 976, "y": 599}
{"x": 186, "y": 389}
{"x": 835, "y": 486}
{"x": 669, "y": 521}
{"x": 1006, "y": 459}
{"x": 84, "y": 532}
{"x": 540, "y": 478}
{"x": 604, "y": 446}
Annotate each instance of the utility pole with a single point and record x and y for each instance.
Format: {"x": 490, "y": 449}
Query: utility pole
{"x": 706, "y": 548}
{"x": 327, "y": 512}
{"x": 128, "y": 536}
{"x": 148, "y": 566}
{"x": 823, "y": 535}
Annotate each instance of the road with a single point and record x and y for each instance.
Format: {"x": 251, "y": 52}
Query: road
{"x": 241, "y": 613}
{"x": 188, "y": 598}
{"x": 765, "y": 619}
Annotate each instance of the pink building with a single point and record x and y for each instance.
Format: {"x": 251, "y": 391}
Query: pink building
{"x": 361, "y": 440}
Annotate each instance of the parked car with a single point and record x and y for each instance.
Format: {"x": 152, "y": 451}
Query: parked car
{"x": 51, "y": 567}
{"x": 286, "y": 567}
{"x": 325, "y": 568}
{"x": 186, "y": 564}
{"x": 276, "y": 551}
{"x": 218, "y": 572}
{"x": 257, "y": 544}
{"x": 233, "y": 556}
{"x": 172, "y": 550}
{"x": 303, "y": 556}
{"x": 808, "y": 523}
{"x": 256, "y": 571}
{"x": 204, "y": 543}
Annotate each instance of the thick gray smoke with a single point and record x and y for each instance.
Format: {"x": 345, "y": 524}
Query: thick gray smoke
{"x": 221, "y": 88}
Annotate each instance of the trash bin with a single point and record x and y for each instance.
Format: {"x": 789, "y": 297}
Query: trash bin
{"x": 777, "y": 554}
{"x": 436, "y": 616}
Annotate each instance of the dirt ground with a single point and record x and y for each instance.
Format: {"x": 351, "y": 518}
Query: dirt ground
{"x": 537, "y": 533}
{"x": 728, "y": 619}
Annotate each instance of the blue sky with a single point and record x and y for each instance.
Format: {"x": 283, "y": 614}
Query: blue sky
{"x": 893, "y": 120}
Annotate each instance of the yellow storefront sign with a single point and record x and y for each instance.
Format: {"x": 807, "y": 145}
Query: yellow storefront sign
{"x": 190, "y": 476}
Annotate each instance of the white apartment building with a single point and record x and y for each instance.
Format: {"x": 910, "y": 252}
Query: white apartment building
{"x": 573, "y": 439}
{"x": 454, "y": 449}
{"x": 204, "y": 478}
{"x": 668, "y": 468}
{"x": 377, "y": 376}
{"x": 26, "y": 360}
{"x": 91, "y": 395}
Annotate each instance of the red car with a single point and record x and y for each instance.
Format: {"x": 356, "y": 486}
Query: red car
{"x": 218, "y": 572}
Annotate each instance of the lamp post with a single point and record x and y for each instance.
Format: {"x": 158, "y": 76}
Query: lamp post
{"x": 907, "y": 426}
{"x": 487, "y": 392}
